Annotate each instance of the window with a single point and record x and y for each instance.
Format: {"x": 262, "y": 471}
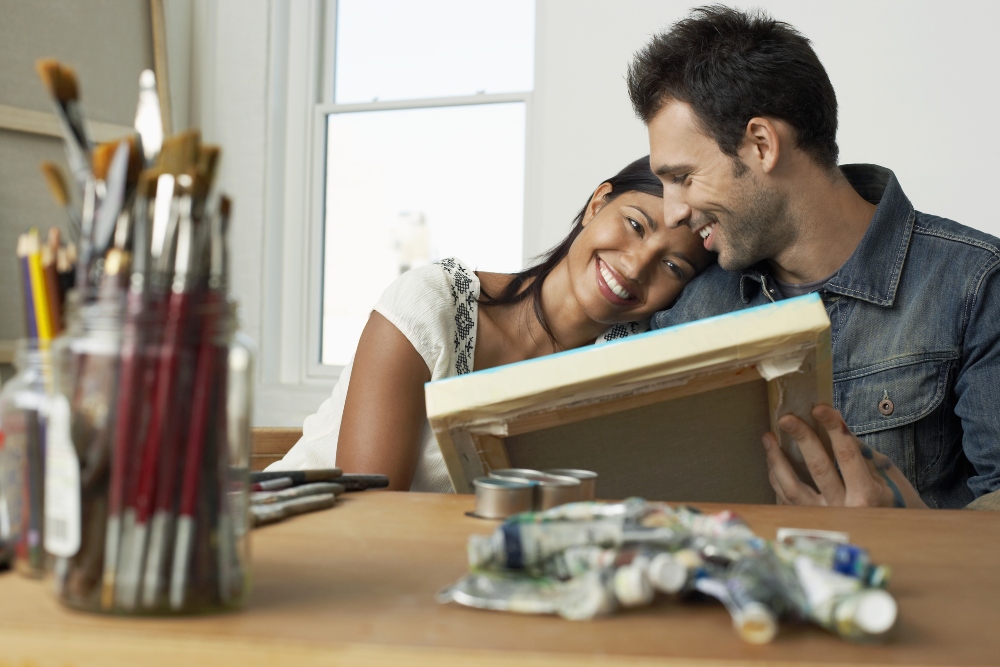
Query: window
{"x": 424, "y": 147}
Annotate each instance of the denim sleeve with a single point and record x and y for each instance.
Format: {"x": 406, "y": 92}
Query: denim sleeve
{"x": 977, "y": 385}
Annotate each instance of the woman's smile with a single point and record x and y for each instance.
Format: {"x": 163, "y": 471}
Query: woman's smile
{"x": 612, "y": 285}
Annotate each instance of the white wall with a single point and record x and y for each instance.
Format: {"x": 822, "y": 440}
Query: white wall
{"x": 917, "y": 85}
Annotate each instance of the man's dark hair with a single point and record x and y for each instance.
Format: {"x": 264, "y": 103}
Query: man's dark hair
{"x": 731, "y": 66}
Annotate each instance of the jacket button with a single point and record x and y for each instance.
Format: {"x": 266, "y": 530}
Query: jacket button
{"x": 886, "y": 407}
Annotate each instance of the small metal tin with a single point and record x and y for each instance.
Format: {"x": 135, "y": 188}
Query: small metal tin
{"x": 499, "y": 498}
{"x": 557, "y": 490}
{"x": 588, "y": 480}
{"x": 517, "y": 473}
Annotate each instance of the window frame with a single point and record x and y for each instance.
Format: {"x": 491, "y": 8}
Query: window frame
{"x": 303, "y": 66}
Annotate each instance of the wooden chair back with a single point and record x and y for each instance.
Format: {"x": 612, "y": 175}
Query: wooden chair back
{"x": 269, "y": 444}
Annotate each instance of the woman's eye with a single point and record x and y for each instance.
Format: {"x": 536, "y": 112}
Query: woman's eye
{"x": 637, "y": 227}
{"x": 678, "y": 271}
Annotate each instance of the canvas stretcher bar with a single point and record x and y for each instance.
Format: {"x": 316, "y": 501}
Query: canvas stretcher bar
{"x": 774, "y": 358}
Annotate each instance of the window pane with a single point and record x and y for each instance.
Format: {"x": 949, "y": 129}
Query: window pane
{"x": 406, "y": 188}
{"x": 408, "y": 49}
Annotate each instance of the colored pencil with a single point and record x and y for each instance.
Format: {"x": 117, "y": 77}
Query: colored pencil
{"x": 30, "y": 321}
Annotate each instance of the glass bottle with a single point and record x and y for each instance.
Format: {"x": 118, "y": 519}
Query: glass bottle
{"x": 23, "y": 417}
{"x": 151, "y": 409}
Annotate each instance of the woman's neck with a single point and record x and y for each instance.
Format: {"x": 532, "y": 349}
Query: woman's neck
{"x": 512, "y": 333}
{"x": 569, "y": 324}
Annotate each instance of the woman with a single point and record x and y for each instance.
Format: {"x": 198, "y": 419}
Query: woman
{"x": 618, "y": 265}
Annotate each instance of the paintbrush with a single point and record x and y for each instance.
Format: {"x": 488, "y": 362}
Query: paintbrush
{"x": 148, "y": 122}
{"x": 93, "y": 195}
{"x": 61, "y": 83}
{"x": 179, "y": 302}
{"x": 206, "y": 370}
{"x": 316, "y": 488}
{"x": 129, "y": 380}
{"x": 263, "y": 514}
{"x": 57, "y": 186}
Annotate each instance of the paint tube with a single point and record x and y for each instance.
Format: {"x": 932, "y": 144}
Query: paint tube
{"x": 842, "y": 604}
{"x": 518, "y": 545}
{"x": 756, "y": 591}
{"x": 754, "y": 621}
{"x": 675, "y": 572}
{"x": 582, "y": 598}
{"x": 834, "y": 555}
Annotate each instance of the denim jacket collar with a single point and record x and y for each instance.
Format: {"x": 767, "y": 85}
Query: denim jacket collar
{"x": 872, "y": 271}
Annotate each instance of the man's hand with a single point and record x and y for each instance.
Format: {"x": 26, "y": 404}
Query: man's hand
{"x": 866, "y": 478}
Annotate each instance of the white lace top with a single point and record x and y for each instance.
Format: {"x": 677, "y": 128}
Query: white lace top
{"x": 436, "y": 308}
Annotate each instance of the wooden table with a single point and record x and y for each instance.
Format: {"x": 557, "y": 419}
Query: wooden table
{"x": 355, "y": 585}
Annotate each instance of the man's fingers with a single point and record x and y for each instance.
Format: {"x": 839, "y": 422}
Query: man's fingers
{"x": 782, "y": 500}
{"x": 822, "y": 469}
{"x": 790, "y": 489}
{"x": 857, "y": 470}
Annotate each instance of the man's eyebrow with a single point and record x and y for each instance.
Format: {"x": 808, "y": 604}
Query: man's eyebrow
{"x": 668, "y": 169}
{"x": 649, "y": 220}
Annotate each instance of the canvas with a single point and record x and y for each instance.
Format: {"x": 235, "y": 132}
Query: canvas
{"x": 675, "y": 414}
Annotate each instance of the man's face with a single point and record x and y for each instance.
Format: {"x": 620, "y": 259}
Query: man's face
{"x": 736, "y": 216}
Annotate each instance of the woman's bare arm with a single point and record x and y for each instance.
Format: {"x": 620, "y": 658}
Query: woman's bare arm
{"x": 384, "y": 411}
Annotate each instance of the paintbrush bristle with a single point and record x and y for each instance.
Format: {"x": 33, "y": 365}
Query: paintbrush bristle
{"x": 57, "y": 184}
{"x": 102, "y": 157}
{"x": 49, "y": 72}
{"x": 68, "y": 88}
{"x": 135, "y": 159}
{"x": 180, "y": 152}
{"x": 208, "y": 161}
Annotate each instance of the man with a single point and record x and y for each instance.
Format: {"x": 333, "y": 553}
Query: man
{"x": 742, "y": 123}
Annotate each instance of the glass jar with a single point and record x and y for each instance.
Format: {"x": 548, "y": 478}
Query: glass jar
{"x": 23, "y": 416}
{"x": 149, "y": 437}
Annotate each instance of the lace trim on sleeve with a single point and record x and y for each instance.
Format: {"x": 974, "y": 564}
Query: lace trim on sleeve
{"x": 464, "y": 294}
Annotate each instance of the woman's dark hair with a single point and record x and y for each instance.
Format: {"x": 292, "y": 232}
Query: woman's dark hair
{"x": 731, "y": 66}
{"x": 636, "y": 177}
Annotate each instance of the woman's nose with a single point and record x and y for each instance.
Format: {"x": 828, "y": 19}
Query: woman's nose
{"x": 639, "y": 260}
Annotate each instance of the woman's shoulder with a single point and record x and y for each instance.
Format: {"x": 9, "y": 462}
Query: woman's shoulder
{"x": 443, "y": 283}
{"x": 435, "y": 307}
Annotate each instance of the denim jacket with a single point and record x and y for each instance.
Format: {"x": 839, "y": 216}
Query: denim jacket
{"x": 915, "y": 316}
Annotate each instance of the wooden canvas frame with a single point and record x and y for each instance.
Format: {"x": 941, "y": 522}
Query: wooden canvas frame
{"x": 785, "y": 345}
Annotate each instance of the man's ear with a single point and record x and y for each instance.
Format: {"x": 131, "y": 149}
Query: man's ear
{"x": 763, "y": 142}
{"x": 596, "y": 203}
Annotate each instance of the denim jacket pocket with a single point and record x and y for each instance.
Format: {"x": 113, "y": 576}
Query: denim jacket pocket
{"x": 883, "y": 403}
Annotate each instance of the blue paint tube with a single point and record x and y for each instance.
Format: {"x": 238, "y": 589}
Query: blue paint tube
{"x": 833, "y": 554}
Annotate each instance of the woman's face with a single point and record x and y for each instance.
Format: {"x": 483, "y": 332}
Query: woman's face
{"x": 626, "y": 264}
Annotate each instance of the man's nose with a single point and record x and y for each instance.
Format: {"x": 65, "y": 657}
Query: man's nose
{"x": 676, "y": 212}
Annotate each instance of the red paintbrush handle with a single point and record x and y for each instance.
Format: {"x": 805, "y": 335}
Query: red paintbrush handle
{"x": 201, "y": 402}
{"x": 125, "y": 408}
{"x": 166, "y": 373}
